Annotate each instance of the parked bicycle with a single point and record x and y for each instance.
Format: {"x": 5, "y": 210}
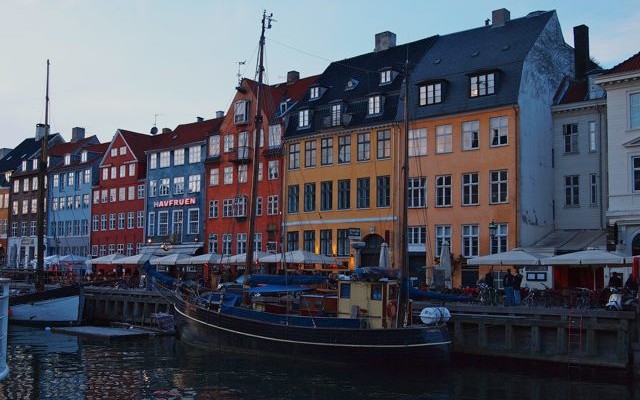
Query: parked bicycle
{"x": 487, "y": 295}
{"x": 535, "y": 298}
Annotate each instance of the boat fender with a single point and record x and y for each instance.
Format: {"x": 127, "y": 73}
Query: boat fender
{"x": 392, "y": 309}
{"x": 435, "y": 315}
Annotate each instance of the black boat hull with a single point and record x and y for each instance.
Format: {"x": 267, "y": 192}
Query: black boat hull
{"x": 208, "y": 329}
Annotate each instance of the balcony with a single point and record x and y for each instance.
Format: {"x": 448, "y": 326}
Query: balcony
{"x": 241, "y": 155}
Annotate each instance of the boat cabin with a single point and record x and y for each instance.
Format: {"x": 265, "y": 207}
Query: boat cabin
{"x": 377, "y": 301}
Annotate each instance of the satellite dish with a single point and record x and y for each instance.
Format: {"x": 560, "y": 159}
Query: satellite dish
{"x": 154, "y": 130}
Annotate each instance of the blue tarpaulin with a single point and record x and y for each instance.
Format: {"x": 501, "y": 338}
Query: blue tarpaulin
{"x": 258, "y": 279}
{"x": 417, "y": 294}
{"x": 277, "y": 288}
{"x": 155, "y": 274}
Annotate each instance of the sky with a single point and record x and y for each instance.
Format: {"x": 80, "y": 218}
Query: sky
{"x": 130, "y": 64}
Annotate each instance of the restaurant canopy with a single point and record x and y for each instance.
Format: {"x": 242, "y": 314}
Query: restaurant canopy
{"x": 589, "y": 257}
{"x": 110, "y": 259}
{"x": 299, "y": 257}
{"x": 516, "y": 256}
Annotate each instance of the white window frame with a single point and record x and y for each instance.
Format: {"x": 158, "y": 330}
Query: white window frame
{"x": 499, "y": 129}
{"x": 471, "y": 135}
{"x": 417, "y": 142}
{"x": 444, "y": 138}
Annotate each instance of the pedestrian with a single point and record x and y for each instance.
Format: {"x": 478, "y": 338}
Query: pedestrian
{"x": 517, "y": 283}
{"x": 488, "y": 280}
{"x": 507, "y": 284}
{"x": 615, "y": 280}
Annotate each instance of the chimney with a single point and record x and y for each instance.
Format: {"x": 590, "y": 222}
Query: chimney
{"x": 581, "y": 51}
{"x": 500, "y": 17}
{"x": 77, "y": 133}
{"x": 40, "y": 131}
{"x": 166, "y": 130}
{"x": 292, "y": 77}
{"x": 219, "y": 114}
{"x": 199, "y": 119}
{"x": 385, "y": 40}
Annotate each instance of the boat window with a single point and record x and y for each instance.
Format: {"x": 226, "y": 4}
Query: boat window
{"x": 345, "y": 291}
{"x": 376, "y": 292}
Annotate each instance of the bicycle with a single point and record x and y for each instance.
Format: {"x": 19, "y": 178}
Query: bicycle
{"x": 535, "y": 298}
{"x": 488, "y": 296}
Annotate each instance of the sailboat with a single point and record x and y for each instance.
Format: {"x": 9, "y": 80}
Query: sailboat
{"x": 367, "y": 319}
{"x": 45, "y": 306}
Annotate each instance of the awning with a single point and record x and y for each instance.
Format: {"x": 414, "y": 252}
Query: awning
{"x": 589, "y": 257}
{"x": 512, "y": 257}
{"x": 568, "y": 240}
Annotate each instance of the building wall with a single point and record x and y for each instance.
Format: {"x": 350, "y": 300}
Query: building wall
{"x": 4, "y": 220}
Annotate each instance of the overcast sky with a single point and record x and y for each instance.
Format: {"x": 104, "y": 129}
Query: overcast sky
{"x": 128, "y": 63}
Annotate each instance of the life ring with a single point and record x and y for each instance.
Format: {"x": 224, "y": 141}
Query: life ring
{"x": 392, "y": 309}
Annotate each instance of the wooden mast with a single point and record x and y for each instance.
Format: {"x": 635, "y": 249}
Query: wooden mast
{"x": 266, "y": 24}
{"x": 403, "y": 313}
{"x": 42, "y": 169}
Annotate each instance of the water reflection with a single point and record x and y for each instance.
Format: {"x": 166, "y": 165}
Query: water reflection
{"x": 45, "y": 365}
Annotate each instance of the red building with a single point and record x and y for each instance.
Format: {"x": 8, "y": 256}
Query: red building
{"x": 229, "y": 168}
{"x": 117, "y": 210}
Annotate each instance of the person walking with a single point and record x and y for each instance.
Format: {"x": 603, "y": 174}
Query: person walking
{"x": 517, "y": 283}
{"x": 507, "y": 284}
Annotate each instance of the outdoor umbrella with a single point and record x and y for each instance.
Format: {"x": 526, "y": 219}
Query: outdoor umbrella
{"x": 299, "y": 257}
{"x": 512, "y": 257}
{"x": 171, "y": 259}
{"x": 208, "y": 258}
{"x": 137, "y": 259}
{"x": 105, "y": 259}
{"x": 240, "y": 259}
{"x": 588, "y": 257}
{"x": 384, "y": 256}
{"x": 445, "y": 264}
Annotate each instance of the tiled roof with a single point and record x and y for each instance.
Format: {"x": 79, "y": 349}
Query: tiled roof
{"x": 22, "y": 151}
{"x": 288, "y": 91}
{"x": 577, "y": 92}
{"x": 138, "y": 142}
{"x": 630, "y": 64}
{"x": 185, "y": 134}
{"x": 60, "y": 149}
{"x": 99, "y": 148}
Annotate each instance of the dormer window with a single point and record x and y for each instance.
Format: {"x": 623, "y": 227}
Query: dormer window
{"x": 284, "y": 105}
{"x": 375, "y": 105}
{"x": 385, "y": 76}
{"x": 83, "y": 156}
{"x": 351, "y": 84}
{"x": 24, "y": 165}
{"x": 336, "y": 114}
{"x": 67, "y": 159}
{"x": 314, "y": 92}
{"x": 303, "y": 118}
{"x": 430, "y": 93}
{"x": 241, "y": 112}
{"x": 482, "y": 84}
{"x": 34, "y": 164}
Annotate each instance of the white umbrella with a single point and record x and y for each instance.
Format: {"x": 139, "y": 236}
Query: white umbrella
{"x": 105, "y": 259}
{"x": 208, "y": 258}
{"x": 299, "y": 257}
{"x": 589, "y": 257}
{"x": 445, "y": 263}
{"x": 171, "y": 259}
{"x": 512, "y": 257}
{"x": 137, "y": 259}
{"x": 240, "y": 259}
{"x": 384, "y": 256}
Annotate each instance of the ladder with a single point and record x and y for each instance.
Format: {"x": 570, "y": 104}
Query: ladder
{"x": 574, "y": 341}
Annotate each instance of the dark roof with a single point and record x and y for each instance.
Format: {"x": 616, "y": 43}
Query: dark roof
{"x": 22, "y": 151}
{"x": 99, "y": 148}
{"x": 364, "y": 71}
{"x": 293, "y": 92}
{"x": 138, "y": 143}
{"x": 630, "y": 64}
{"x": 454, "y": 57}
{"x": 60, "y": 149}
{"x": 186, "y": 133}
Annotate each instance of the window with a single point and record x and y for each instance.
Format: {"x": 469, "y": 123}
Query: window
{"x": 85, "y": 227}
{"x": 243, "y": 146}
{"x": 55, "y": 182}
{"x": 272, "y": 205}
{"x": 112, "y": 222}
{"x": 213, "y": 243}
{"x": 314, "y": 92}
{"x": 258, "y": 206}
{"x": 499, "y": 131}
{"x": 294, "y": 156}
{"x": 374, "y": 105}
{"x": 470, "y": 189}
{"x": 153, "y": 162}
{"x": 194, "y": 183}
{"x": 123, "y": 171}
{"x": 275, "y": 136}
{"x": 195, "y": 154}
{"x": 163, "y": 223}
{"x": 364, "y": 146}
{"x": 214, "y": 145}
{"x": 152, "y": 224}
{"x": 228, "y": 175}
{"x": 593, "y": 137}
{"x": 132, "y": 170}
{"x": 443, "y": 191}
{"x": 572, "y": 190}
{"x": 326, "y": 151}
{"x": 303, "y": 118}
{"x": 176, "y": 224}
{"x": 417, "y": 236}
{"x": 384, "y": 144}
{"x": 498, "y": 186}
{"x": 363, "y": 195}
{"x": 228, "y": 143}
{"x": 309, "y": 241}
{"x": 570, "y": 135}
{"x": 444, "y": 139}
{"x": 499, "y": 241}
{"x": 326, "y": 195}
{"x": 243, "y": 173}
{"x": 292, "y": 241}
{"x": 482, "y": 85}
{"x": 153, "y": 188}
{"x": 178, "y": 157}
{"x": 273, "y": 169}
{"x": 344, "y": 194}
{"x": 417, "y": 190}
{"x": 593, "y": 189}
{"x": 34, "y": 183}
{"x": 214, "y": 177}
{"x": 103, "y": 222}
{"x": 241, "y": 112}
{"x": 336, "y": 114}
{"x": 16, "y": 186}
{"x": 344, "y": 149}
{"x": 325, "y": 242}
{"x": 383, "y": 191}
{"x": 165, "y": 160}
{"x": 141, "y": 191}
{"x": 226, "y": 244}
{"x": 87, "y": 175}
{"x": 129, "y": 249}
{"x": 443, "y": 233}
{"x": 140, "y": 219}
{"x": 309, "y": 197}
{"x": 241, "y": 206}
{"x": 114, "y": 152}
{"x": 213, "y": 208}
{"x": 418, "y": 142}
{"x": 241, "y": 243}
{"x": 470, "y": 135}
{"x": 385, "y": 76}
{"x": 178, "y": 185}
{"x": 310, "y": 153}
{"x": 227, "y": 208}
{"x": 120, "y": 221}
{"x": 131, "y": 220}
{"x": 470, "y": 238}
{"x": 634, "y": 111}
{"x": 67, "y": 159}
{"x": 163, "y": 187}
{"x": 294, "y": 200}
{"x": 431, "y": 94}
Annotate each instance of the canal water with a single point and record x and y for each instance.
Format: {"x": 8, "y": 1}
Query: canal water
{"x": 46, "y": 365}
